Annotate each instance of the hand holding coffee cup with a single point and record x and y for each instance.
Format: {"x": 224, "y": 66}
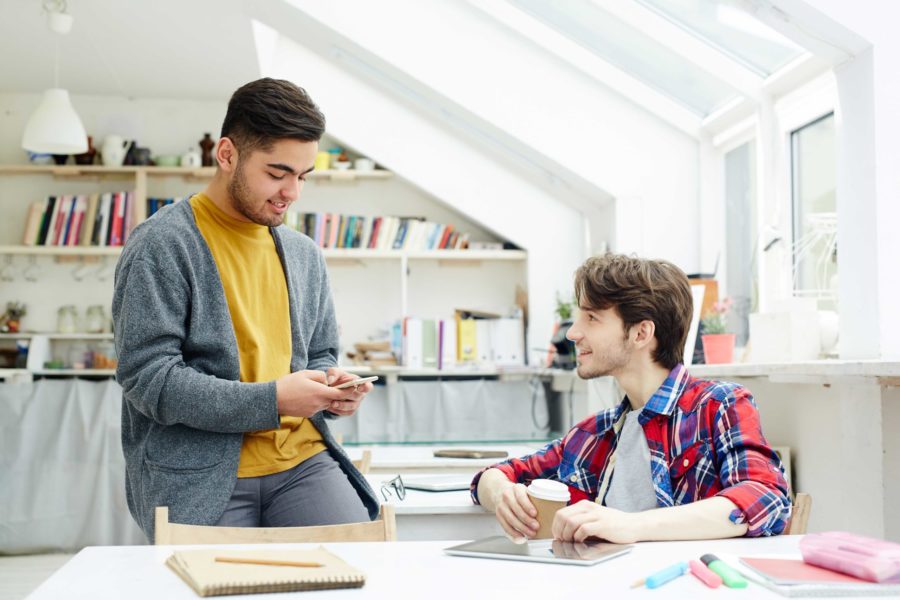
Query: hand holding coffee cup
{"x": 547, "y": 496}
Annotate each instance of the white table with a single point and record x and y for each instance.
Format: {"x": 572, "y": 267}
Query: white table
{"x": 421, "y": 570}
{"x": 437, "y": 515}
{"x": 408, "y": 458}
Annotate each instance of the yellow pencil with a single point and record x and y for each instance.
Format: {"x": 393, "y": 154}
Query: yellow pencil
{"x": 263, "y": 561}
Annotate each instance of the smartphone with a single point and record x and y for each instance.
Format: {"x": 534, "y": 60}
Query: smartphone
{"x": 354, "y": 382}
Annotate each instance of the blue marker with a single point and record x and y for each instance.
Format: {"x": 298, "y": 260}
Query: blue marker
{"x": 661, "y": 577}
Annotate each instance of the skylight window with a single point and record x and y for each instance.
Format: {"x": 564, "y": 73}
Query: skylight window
{"x": 634, "y": 52}
{"x": 735, "y": 32}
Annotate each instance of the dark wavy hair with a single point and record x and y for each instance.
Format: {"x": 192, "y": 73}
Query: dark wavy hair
{"x": 267, "y": 110}
{"x": 640, "y": 289}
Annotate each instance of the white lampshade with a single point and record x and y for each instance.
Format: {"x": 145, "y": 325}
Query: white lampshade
{"x": 54, "y": 127}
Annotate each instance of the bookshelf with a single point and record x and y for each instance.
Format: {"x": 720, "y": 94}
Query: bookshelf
{"x": 371, "y": 287}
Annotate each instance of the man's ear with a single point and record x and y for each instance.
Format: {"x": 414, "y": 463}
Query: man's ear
{"x": 643, "y": 332}
{"x": 226, "y": 155}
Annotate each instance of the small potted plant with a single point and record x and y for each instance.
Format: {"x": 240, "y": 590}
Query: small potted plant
{"x": 718, "y": 345}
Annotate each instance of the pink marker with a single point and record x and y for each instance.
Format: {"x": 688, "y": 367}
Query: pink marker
{"x": 704, "y": 574}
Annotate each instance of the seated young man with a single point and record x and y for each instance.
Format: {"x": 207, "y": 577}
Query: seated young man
{"x": 680, "y": 458}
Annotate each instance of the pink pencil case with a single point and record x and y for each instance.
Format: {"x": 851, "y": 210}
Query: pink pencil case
{"x": 856, "y": 555}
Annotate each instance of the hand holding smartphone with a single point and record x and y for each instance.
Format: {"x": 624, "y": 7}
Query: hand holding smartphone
{"x": 355, "y": 382}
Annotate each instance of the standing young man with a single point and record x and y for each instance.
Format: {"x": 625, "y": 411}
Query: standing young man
{"x": 680, "y": 458}
{"x": 227, "y": 340}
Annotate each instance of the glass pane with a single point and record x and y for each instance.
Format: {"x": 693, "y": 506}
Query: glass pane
{"x": 632, "y": 51}
{"x": 740, "y": 228}
{"x": 722, "y": 24}
{"x": 813, "y": 158}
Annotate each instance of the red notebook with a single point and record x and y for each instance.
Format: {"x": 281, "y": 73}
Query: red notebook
{"x": 793, "y": 577}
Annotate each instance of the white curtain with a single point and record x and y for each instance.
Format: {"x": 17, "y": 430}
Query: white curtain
{"x": 62, "y": 472}
{"x": 449, "y": 410}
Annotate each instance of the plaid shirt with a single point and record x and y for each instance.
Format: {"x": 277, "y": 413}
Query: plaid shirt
{"x": 704, "y": 439}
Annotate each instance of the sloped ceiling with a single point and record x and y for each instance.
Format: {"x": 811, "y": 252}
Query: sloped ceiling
{"x": 197, "y": 49}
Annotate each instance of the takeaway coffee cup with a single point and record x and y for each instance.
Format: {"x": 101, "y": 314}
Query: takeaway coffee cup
{"x": 548, "y": 496}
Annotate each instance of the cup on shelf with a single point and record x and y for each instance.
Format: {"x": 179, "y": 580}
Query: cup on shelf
{"x": 323, "y": 161}
{"x": 364, "y": 164}
{"x": 67, "y": 319}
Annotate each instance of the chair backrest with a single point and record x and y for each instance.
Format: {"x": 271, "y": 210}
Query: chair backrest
{"x": 363, "y": 463}
{"x": 800, "y": 514}
{"x": 383, "y": 529}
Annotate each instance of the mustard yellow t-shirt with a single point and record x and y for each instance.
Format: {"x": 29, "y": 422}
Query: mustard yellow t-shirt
{"x": 257, "y": 295}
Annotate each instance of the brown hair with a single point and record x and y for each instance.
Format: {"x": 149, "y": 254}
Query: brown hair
{"x": 640, "y": 289}
{"x": 267, "y": 110}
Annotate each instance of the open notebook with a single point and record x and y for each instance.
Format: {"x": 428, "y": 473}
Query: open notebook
{"x": 208, "y": 577}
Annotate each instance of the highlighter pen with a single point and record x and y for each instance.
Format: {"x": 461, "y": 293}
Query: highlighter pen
{"x": 729, "y": 576}
{"x": 702, "y": 572}
{"x": 664, "y": 576}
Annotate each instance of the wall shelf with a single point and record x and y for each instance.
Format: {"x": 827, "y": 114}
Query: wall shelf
{"x": 62, "y": 250}
{"x": 75, "y": 372}
{"x": 24, "y": 335}
{"x": 188, "y": 172}
{"x": 334, "y": 253}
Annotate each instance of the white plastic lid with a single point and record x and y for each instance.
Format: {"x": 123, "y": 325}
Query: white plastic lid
{"x": 547, "y": 489}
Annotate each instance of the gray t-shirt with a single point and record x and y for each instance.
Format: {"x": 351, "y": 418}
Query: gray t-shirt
{"x": 631, "y": 486}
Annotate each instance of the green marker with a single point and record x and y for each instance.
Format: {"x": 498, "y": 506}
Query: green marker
{"x": 729, "y": 576}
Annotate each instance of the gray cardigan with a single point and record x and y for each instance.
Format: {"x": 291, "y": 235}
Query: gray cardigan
{"x": 184, "y": 410}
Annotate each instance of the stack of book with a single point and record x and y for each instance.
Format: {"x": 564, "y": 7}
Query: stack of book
{"x": 154, "y": 204}
{"x": 331, "y": 230}
{"x": 461, "y": 341}
{"x": 84, "y": 220}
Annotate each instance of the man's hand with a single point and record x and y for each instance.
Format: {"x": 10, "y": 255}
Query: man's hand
{"x": 510, "y": 502}
{"x": 304, "y": 393}
{"x": 348, "y": 405}
{"x": 587, "y": 519}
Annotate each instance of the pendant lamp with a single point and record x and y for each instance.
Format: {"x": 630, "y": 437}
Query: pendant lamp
{"x": 54, "y": 127}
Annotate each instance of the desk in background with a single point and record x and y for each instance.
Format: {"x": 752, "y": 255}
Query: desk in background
{"x": 408, "y": 458}
{"x": 397, "y": 570}
{"x": 437, "y": 515}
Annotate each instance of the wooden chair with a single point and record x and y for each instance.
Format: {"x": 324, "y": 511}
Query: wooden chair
{"x": 800, "y": 514}
{"x": 364, "y": 462}
{"x": 383, "y": 529}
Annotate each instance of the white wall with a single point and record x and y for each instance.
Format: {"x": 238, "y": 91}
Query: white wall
{"x": 367, "y": 295}
{"x": 465, "y": 177}
{"x": 545, "y": 106}
{"x": 868, "y": 185}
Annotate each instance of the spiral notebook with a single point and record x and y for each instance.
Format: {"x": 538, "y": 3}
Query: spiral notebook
{"x": 200, "y": 570}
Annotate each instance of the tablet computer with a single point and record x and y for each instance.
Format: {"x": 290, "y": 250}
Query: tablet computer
{"x": 547, "y": 551}
{"x": 445, "y": 482}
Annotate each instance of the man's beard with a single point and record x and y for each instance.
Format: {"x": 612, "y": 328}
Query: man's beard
{"x": 242, "y": 202}
{"x": 606, "y": 363}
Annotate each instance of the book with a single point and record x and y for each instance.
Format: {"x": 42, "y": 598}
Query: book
{"x": 447, "y": 344}
{"x": 429, "y": 344}
{"x": 90, "y": 216}
{"x": 795, "y": 578}
{"x": 507, "y": 341}
{"x": 47, "y": 221}
{"x": 33, "y": 224}
{"x": 467, "y": 340}
{"x": 208, "y": 577}
{"x": 412, "y": 343}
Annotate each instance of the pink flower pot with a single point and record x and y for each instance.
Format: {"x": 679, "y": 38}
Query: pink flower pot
{"x": 718, "y": 348}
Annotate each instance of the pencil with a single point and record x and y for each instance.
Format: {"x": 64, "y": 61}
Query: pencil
{"x": 263, "y": 561}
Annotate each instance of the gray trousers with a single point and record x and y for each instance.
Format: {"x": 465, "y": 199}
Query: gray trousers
{"x": 315, "y": 492}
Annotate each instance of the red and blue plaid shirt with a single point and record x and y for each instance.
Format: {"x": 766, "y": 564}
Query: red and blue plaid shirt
{"x": 704, "y": 439}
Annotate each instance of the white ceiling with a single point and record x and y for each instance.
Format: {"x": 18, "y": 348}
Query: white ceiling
{"x": 196, "y": 49}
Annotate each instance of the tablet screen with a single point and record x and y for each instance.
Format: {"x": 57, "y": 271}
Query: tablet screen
{"x": 551, "y": 551}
